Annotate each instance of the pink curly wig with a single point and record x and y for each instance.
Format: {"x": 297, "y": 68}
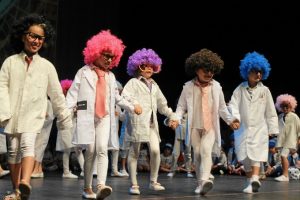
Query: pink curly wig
{"x": 286, "y": 98}
{"x": 65, "y": 85}
{"x": 103, "y": 41}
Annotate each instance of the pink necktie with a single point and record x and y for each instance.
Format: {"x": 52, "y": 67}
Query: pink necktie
{"x": 207, "y": 123}
{"x": 100, "y": 94}
{"x": 28, "y": 60}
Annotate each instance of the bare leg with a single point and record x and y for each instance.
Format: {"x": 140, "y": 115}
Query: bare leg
{"x": 285, "y": 166}
{"x": 15, "y": 171}
{"x": 27, "y": 167}
{"x": 37, "y": 168}
{"x": 123, "y": 162}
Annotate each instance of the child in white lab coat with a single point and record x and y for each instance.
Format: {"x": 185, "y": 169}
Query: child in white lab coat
{"x": 253, "y": 105}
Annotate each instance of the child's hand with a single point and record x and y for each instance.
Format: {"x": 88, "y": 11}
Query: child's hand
{"x": 173, "y": 124}
{"x": 138, "y": 109}
{"x": 235, "y": 124}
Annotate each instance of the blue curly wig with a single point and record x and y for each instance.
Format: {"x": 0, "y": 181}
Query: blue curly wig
{"x": 254, "y": 61}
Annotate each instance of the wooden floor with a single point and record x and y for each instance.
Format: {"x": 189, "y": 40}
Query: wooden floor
{"x": 53, "y": 187}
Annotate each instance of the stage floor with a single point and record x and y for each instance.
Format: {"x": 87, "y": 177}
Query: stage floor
{"x": 53, "y": 187}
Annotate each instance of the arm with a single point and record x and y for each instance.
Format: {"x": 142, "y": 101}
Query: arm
{"x": 5, "y": 112}
{"x": 162, "y": 105}
{"x": 181, "y": 108}
{"x": 58, "y": 100}
{"x": 271, "y": 115}
{"x": 127, "y": 100}
{"x": 234, "y": 104}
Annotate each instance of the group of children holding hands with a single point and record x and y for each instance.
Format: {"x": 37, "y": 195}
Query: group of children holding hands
{"x": 25, "y": 86}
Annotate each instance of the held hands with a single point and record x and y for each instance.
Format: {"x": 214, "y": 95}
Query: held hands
{"x": 235, "y": 124}
{"x": 138, "y": 109}
{"x": 173, "y": 124}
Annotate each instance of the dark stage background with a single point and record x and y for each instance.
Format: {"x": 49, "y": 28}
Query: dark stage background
{"x": 176, "y": 30}
{"x": 180, "y": 28}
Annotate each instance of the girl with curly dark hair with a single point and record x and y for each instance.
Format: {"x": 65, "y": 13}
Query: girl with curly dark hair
{"x": 26, "y": 80}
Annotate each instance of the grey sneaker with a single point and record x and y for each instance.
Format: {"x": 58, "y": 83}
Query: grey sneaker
{"x": 156, "y": 186}
{"x": 135, "y": 189}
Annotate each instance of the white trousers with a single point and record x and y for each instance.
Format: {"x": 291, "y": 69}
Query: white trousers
{"x": 202, "y": 143}
{"x": 20, "y": 145}
{"x": 97, "y": 150}
{"x": 248, "y": 163}
{"x": 133, "y": 155}
{"x": 114, "y": 160}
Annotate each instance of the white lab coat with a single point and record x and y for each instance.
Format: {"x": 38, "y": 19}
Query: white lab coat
{"x": 138, "y": 126}
{"x": 23, "y": 94}
{"x": 185, "y": 104}
{"x": 258, "y": 119}
{"x": 84, "y": 89}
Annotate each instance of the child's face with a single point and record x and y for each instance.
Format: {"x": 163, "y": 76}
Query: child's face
{"x": 104, "y": 60}
{"x": 286, "y": 107}
{"x": 167, "y": 151}
{"x": 254, "y": 77}
{"x": 146, "y": 70}
{"x": 33, "y": 39}
{"x": 204, "y": 76}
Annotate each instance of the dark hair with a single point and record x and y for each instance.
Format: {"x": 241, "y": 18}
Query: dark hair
{"x": 23, "y": 24}
{"x": 204, "y": 59}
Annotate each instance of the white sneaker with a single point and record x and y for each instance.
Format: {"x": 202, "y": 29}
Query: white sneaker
{"x": 38, "y": 175}
{"x": 124, "y": 172}
{"x": 4, "y": 173}
{"x": 69, "y": 175}
{"x": 81, "y": 174}
{"x": 206, "y": 187}
{"x": 88, "y": 196}
{"x": 170, "y": 174}
{"x": 135, "y": 189}
{"x": 198, "y": 189}
{"x": 116, "y": 174}
{"x": 248, "y": 189}
{"x": 189, "y": 175}
{"x": 156, "y": 186}
{"x": 103, "y": 192}
{"x": 211, "y": 177}
{"x": 282, "y": 178}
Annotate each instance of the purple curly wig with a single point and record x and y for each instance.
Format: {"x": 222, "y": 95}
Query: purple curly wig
{"x": 143, "y": 56}
{"x": 286, "y": 98}
{"x": 103, "y": 41}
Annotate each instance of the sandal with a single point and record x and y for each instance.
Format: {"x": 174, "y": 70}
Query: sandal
{"x": 25, "y": 190}
{"x": 12, "y": 196}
